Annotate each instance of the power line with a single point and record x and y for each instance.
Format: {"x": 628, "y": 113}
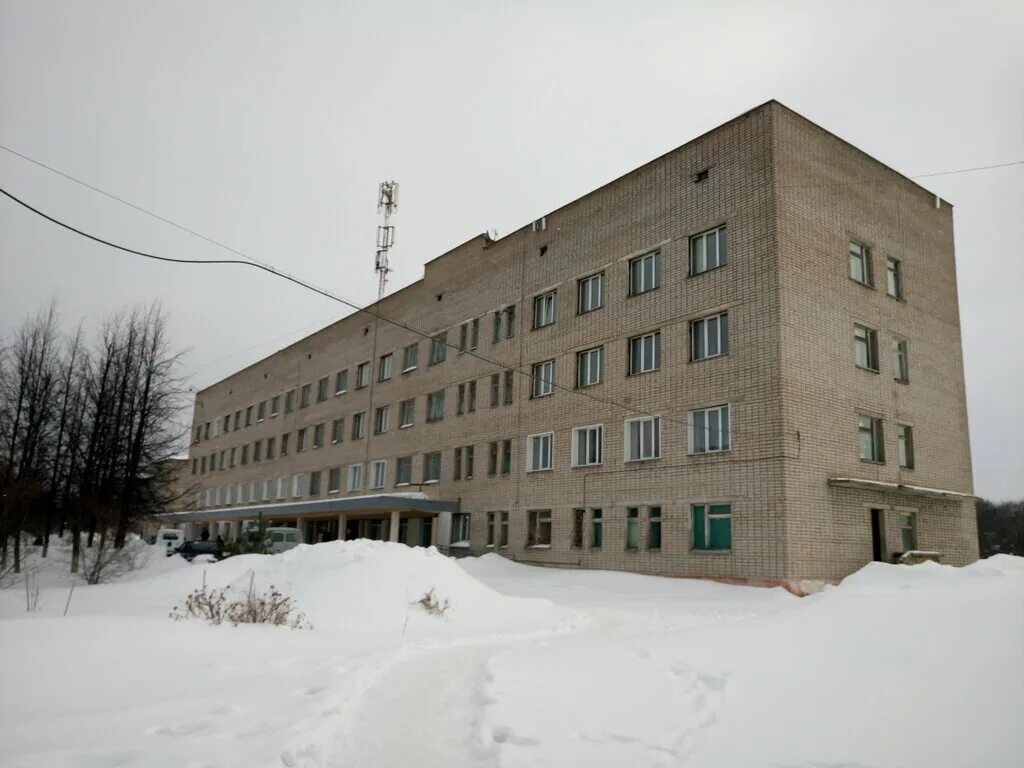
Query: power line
{"x": 327, "y": 294}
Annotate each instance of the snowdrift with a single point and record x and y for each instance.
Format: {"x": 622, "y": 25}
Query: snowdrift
{"x": 375, "y": 587}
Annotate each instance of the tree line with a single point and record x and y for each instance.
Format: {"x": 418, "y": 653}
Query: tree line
{"x": 1000, "y": 527}
{"x": 87, "y": 422}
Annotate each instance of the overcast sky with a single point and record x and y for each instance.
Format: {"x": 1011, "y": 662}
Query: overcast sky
{"x": 267, "y": 125}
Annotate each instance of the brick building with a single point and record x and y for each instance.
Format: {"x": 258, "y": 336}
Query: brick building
{"x": 741, "y": 360}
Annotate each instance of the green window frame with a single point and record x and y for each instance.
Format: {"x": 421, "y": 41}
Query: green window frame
{"x": 712, "y": 527}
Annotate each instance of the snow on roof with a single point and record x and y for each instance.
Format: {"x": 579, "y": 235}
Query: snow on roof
{"x": 898, "y": 487}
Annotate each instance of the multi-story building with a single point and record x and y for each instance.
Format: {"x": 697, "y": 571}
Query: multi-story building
{"x": 739, "y": 360}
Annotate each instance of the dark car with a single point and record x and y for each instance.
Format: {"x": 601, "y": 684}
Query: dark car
{"x": 191, "y": 549}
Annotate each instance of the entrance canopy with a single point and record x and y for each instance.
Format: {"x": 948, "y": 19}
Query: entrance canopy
{"x": 379, "y": 503}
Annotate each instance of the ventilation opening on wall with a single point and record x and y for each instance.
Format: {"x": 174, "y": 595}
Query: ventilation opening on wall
{"x": 701, "y": 176}
{"x": 543, "y": 250}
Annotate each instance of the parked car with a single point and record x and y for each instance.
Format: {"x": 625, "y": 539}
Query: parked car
{"x": 191, "y": 549}
{"x": 278, "y": 540}
{"x": 170, "y": 538}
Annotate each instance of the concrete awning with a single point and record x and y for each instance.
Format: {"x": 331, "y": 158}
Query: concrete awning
{"x": 879, "y": 485}
{"x": 381, "y": 502}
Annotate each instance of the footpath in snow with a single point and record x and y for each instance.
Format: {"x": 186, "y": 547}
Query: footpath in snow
{"x": 897, "y": 666}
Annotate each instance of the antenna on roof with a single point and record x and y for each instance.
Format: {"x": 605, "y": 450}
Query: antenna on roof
{"x": 387, "y": 202}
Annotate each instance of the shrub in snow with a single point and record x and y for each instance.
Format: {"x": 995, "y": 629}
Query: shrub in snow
{"x": 213, "y": 605}
{"x": 432, "y": 604}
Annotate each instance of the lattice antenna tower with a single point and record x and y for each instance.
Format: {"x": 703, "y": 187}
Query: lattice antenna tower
{"x": 387, "y": 202}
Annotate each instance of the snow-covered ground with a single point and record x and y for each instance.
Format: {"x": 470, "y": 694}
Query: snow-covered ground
{"x": 898, "y": 666}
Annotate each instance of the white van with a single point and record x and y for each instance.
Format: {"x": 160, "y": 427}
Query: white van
{"x": 170, "y": 539}
{"x": 279, "y": 540}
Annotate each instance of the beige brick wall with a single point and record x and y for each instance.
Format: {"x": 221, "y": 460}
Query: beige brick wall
{"x": 774, "y": 483}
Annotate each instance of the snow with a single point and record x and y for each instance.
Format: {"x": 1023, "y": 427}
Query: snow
{"x": 896, "y": 666}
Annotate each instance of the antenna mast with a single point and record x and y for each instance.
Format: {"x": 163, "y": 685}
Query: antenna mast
{"x": 387, "y": 202}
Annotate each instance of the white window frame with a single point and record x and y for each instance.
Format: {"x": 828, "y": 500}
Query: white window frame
{"x": 378, "y": 473}
{"x": 905, "y": 445}
{"x": 590, "y": 293}
{"x": 415, "y": 350}
{"x": 542, "y": 385}
{"x": 381, "y": 419}
{"x": 407, "y": 409}
{"x": 432, "y": 399}
{"x": 398, "y": 475}
{"x": 341, "y": 378}
{"x": 724, "y": 436}
{"x": 585, "y": 365}
{"x": 639, "y": 286}
{"x": 704, "y": 331}
{"x": 282, "y": 487}
{"x": 298, "y": 482}
{"x": 363, "y": 375}
{"x": 866, "y": 339}
{"x": 384, "y": 366}
{"x": 540, "y": 438}
{"x": 646, "y": 365}
{"x": 655, "y": 428}
{"x": 900, "y": 361}
{"x": 460, "y": 529}
{"x": 426, "y": 464}
{"x": 699, "y": 261}
{"x": 355, "y": 477}
{"x": 894, "y": 277}
{"x": 876, "y": 431}
{"x": 534, "y": 519}
{"x": 861, "y": 254}
{"x": 592, "y": 434}
{"x": 359, "y": 425}
{"x": 334, "y": 480}
{"x": 545, "y": 309}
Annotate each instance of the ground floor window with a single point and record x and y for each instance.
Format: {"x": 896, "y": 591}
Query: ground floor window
{"x": 654, "y": 527}
{"x": 491, "y": 525}
{"x": 503, "y": 539}
{"x": 712, "y": 526}
{"x": 632, "y": 528}
{"x": 375, "y": 529}
{"x": 460, "y": 530}
{"x": 426, "y": 531}
{"x": 578, "y": 516}
{"x": 596, "y": 529}
{"x": 908, "y": 537}
{"x": 539, "y": 530}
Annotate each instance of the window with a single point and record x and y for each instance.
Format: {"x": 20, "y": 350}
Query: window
{"x": 341, "y": 382}
{"x": 540, "y": 224}
{"x": 359, "y": 425}
{"x": 226, "y": 423}
{"x": 282, "y": 487}
{"x": 495, "y": 389}
{"x": 257, "y": 450}
{"x": 709, "y": 337}
{"x": 467, "y": 398}
{"x": 432, "y": 467}
{"x": 457, "y": 469}
{"x": 503, "y": 540}
{"x": 300, "y": 440}
{"x": 439, "y": 348}
{"x": 460, "y": 529}
{"x": 306, "y": 391}
{"x": 362, "y": 375}
{"x": 632, "y": 528}
{"x": 337, "y": 431}
{"x": 654, "y": 527}
{"x": 710, "y": 430}
{"x": 268, "y": 489}
{"x": 645, "y": 353}
{"x": 894, "y": 278}
{"x": 578, "y": 518}
{"x": 504, "y": 323}
{"x": 355, "y": 477}
{"x": 870, "y": 438}
{"x": 410, "y": 357}
{"x": 900, "y": 361}
{"x": 380, "y": 419}
{"x": 860, "y": 264}
{"x": 407, "y": 413}
{"x": 238, "y": 420}
{"x": 321, "y": 389}
{"x": 707, "y": 251}
{"x": 905, "y": 439}
{"x": 298, "y": 484}
{"x": 334, "y": 481}
{"x": 908, "y": 536}
{"x": 643, "y": 438}
{"x": 271, "y": 447}
{"x": 206, "y": 431}
{"x": 544, "y": 309}
{"x": 202, "y": 465}
{"x": 467, "y": 454}
{"x": 543, "y": 379}
{"x": 384, "y": 367}
{"x": 469, "y": 335}
{"x": 506, "y": 457}
{"x": 587, "y": 445}
{"x": 289, "y": 401}
{"x": 492, "y": 459}
{"x": 590, "y": 293}
{"x": 261, "y": 411}
{"x": 509, "y": 384}
{"x": 314, "y": 483}
{"x": 248, "y": 415}
{"x": 286, "y": 442}
{"x": 712, "y": 526}
{"x": 435, "y": 406}
{"x": 539, "y": 530}
{"x": 589, "y": 367}
{"x": 540, "y": 450}
{"x": 403, "y": 470}
{"x": 195, "y": 465}
{"x": 492, "y": 524}
{"x": 245, "y": 454}
{"x": 645, "y": 273}
{"x": 378, "y": 473}
{"x": 865, "y": 348}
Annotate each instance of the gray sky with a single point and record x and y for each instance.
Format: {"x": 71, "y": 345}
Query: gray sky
{"x": 268, "y": 125}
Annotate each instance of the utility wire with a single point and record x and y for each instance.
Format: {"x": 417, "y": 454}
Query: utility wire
{"x": 327, "y": 294}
